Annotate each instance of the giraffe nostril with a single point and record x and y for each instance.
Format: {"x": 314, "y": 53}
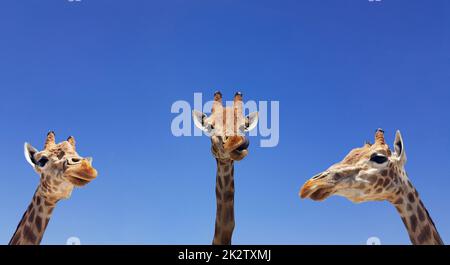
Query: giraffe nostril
{"x": 337, "y": 176}
{"x": 74, "y": 160}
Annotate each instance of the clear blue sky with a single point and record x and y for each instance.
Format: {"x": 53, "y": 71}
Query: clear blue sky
{"x": 107, "y": 72}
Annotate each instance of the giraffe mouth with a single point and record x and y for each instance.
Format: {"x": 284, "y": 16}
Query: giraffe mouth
{"x": 236, "y": 143}
{"x": 81, "y": 174}
{"x": 316, "y": 190}
{"x": 244, "y": 145}
{"x": 78, "y": 181}
{"x": 241, "y": 151}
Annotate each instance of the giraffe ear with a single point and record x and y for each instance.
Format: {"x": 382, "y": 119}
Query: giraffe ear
{"x": 29, "y": 152}
{"x": 399, "y": 147}
{"x": 199, "y": 118}
{"x": 251, "y": 121}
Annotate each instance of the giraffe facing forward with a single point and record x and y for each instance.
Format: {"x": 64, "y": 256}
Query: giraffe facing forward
{"x": 227, "y": 127}
{"x": 60, "y": 169}
{"x": 374, "y": 173}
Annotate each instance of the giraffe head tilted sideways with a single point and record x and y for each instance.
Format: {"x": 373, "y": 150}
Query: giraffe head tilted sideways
{"x": 227, "y": 127}
{"x": 368, "y": 173}
{"x": 60, "y": 168}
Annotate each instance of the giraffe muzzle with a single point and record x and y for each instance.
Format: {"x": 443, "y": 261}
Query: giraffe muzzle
{"x": 316, "y": 189}
{"x": 241, "y": 151}
{"x": 244, "y": 145}
{"x": 81, "y": 173}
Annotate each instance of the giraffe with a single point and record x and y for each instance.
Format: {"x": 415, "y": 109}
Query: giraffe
{"x": 226, "y": 127}
{"x": 374, "y": 173}
{"x": 60, "y": 169}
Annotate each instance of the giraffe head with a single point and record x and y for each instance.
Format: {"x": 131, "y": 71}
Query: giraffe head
{"x": 368, "y": 173}
{"x": 60, "y": 167}
{"x": 227, "y": 127}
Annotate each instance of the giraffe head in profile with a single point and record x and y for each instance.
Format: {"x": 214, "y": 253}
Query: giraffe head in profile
{"x": 227, "y": 127}
{"x": 369, "y": 173}
{"x": 375, "y": 173}
{"x": 60, "y": 167}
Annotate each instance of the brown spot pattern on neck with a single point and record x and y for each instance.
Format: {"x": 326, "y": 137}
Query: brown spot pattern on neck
{"x": 417, "y": 220}
{"x": 224, "y": 225}
{"x": 31, "y": 228}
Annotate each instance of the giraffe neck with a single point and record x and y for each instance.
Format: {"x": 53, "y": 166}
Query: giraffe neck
{"x": 34, "y": 221}
{"x": 415, "y": 217}
{"x": 225, "y": 202}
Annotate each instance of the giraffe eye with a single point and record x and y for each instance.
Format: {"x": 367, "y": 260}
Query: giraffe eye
{"x": 42, "y": 161}
{"x": 377, "y": 158}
